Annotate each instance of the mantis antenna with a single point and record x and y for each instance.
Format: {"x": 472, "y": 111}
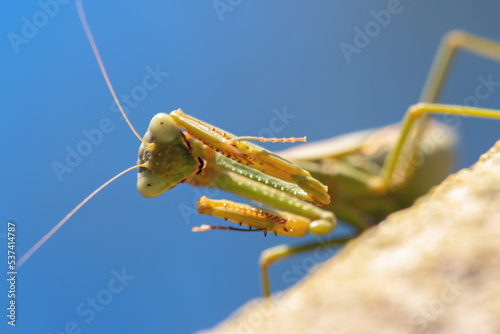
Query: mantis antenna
{"x": 68, "y": 216}
{"x": 81, "y": 14}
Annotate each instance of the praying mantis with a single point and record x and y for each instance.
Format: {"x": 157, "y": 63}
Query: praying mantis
{"x": 208, "y": 118}
{"x": 364, "y": 182}
{"x": 362, "y": 173}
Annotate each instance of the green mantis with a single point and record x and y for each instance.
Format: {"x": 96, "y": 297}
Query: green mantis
{"x": 365, "y": 180}
{"x": 219, "y": 159}
{"x": 370, "y": 175}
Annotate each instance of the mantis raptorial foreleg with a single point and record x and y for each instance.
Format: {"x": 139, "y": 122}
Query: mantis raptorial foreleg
{"x": 297, "y": 218}
{"x": 252, "y": 155}
{"x": 417, "y": 115}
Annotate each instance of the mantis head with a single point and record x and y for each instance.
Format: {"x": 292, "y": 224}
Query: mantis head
{"x": 168, "y": 155}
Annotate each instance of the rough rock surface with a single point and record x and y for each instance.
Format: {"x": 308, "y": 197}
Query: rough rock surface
{"x": 433, "y": 268}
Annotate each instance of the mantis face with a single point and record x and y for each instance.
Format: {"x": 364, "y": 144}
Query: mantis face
{"x": 170, "y": 160}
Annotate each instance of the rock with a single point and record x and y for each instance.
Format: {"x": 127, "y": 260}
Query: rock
{"x": 432, "y": 268}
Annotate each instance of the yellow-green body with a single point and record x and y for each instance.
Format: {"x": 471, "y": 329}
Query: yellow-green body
{"x": 368, "y": 174}
{"x": 341, "y": 162}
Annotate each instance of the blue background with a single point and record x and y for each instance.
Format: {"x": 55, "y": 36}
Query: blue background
{"x": 263, "y": 55}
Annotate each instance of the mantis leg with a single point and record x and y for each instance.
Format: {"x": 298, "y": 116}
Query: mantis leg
{"x": 414, "y": 114}
{"x": 252, "y": 156}
{"x": 451, "y": 43}
{"x": 277, "y": 253}
{"x": 297, "y": 218}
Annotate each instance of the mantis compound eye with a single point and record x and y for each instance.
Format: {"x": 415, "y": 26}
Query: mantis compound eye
{"x": 163, "y": 128}
{"x": 151, "y": 185}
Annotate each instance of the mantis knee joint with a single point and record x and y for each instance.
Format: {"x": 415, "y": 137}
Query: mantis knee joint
{"x": 455, "y": 39}
{"x": 417, "y": 110}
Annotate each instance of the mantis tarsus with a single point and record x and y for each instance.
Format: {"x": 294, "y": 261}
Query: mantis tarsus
{"x": 363, "y": 180}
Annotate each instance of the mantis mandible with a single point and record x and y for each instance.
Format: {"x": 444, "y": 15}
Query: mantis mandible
{"x": 365, "y": 177}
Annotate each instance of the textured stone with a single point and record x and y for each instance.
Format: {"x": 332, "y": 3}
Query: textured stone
{"x": 433, "y": 268}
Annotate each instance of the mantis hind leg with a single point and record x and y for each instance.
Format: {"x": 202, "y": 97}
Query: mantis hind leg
{"x": 451, "y": 43}
{"x": 414, "y": 114}
{"x": 278, "y": 253}
{"x": 417, "y": 115}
